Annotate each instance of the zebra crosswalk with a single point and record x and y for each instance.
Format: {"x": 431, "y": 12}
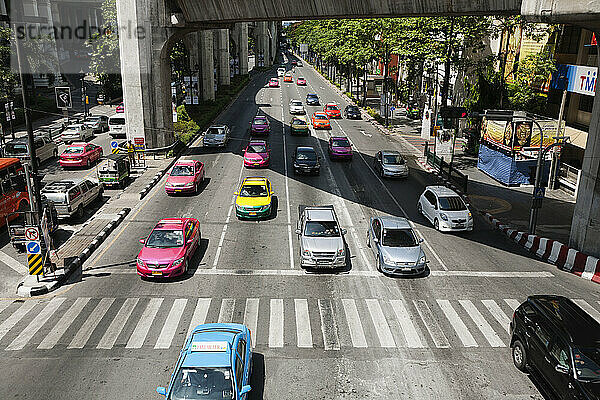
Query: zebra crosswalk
{"x": 276, "y": 323}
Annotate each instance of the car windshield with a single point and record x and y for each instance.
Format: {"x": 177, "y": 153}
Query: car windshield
{"x": 587, "y": 363}
{"x": 16, "y": 148}
{"x": 72, "y": 129}
{"x": 260, "y": 121}
{"x": 274, "y": 80}
{"x": 452, "y": 203}
{"x": 322, "y": 229}
{"x": 298, "y": 121}
{"x": 332, "y": 108}
{"x": 320, "y": 116}
{"x": 300, "y": 78}
{"x": 296, "y": 103}
{"x": 182, "y": 170}
{"x": 74, "y": 150}
{"x": 340, "y": 143}
{"x": 93, "y": 119}
{"x": 116, "y": 121}
{"x": 215, "y": 131}
{"x": 393, "y": 159}
{"x": 203, "y": 383}
{"x": 399, "y": 238}
{"x": 253, "y": 191}
{"x": 164, "y": 239}
{"x": 353, "y": 108}
{"x": 257, "y": 148}
{"x": 306, "y": 155}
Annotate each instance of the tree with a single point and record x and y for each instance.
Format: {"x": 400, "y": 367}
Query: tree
{"x": 7, "y": 77}
{"x": 532, "y": 72}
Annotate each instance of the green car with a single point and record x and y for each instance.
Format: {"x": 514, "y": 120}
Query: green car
{"x": 413, "y": 111}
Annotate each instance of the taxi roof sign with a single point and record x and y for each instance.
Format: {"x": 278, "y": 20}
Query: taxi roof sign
{"x": 209, "y": 346}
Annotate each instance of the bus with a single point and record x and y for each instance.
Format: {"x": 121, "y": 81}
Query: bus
{"x": 13, "y": 189}
{"x": 116, "y": 126}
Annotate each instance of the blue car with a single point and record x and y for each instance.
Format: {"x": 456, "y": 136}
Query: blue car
{"x": 215, "y": 363}
{"x": 312, "y": 99}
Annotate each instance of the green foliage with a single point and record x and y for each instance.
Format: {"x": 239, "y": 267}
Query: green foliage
{"x": 185, "y": 127}
{"x": 532, "y": 72}
{"x": 7, "y": 78}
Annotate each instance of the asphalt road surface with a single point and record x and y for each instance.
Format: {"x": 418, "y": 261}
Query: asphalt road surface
{"x": 351, "y": 335}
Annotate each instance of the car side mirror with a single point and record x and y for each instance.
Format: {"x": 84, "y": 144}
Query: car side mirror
{"x": 143, "y": 241}
{"x": 562, "y": 369}
{"x": 421, "y": 240}
{"x": 189, "y": 242}
{"x": 344, "y": 231}
{"x": 435, "y": 206}
{"x": 298, "y": 231}
{"x": 245, "y": 389}
{"x": 375, "y": 240}
{"x": 161, "y": 390}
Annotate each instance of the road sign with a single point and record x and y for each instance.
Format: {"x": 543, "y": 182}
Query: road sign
{"x": 36, "y": 264}
{"x": 114, "y": 144}
{"x": 33, "y": 248}
{"x": 63, "y": 97}
{"x": 32, "y": 234}
{"x": 539, "y": 193}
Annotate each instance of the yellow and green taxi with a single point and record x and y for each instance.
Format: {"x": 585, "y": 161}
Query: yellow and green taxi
{"x": 253, "y": 200}
{"x": 299, "y": 124}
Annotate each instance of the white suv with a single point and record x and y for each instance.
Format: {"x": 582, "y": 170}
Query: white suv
{"x": 445, "y": 209}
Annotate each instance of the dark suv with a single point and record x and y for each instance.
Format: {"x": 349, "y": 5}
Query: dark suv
{"x": 558, "y": 339}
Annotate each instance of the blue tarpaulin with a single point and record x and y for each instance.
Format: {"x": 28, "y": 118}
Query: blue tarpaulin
{"x": 506, "y": 169}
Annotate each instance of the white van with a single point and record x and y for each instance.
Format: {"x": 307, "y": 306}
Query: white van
{"x": 116, "y": 126}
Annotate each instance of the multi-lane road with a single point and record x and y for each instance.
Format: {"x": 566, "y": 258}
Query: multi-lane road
{"x": 350, "y": 335}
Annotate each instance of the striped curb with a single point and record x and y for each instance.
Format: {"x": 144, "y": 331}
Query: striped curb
{"x": 564, "y": 257}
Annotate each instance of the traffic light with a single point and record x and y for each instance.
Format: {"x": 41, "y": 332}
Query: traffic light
{"x": 454, "y": 112}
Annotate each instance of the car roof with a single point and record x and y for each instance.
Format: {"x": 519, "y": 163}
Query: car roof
{"x": 320, "y": 114}
{"x": 338, "y": 137}
{"x": 300, "y": 77}
{"x": 62, "y": 185}
{"x": 442, "y": 191}
{"x": 275, "y": 79}
{"x": 217, "y": 333}
{"x": 170, "y": 223}
{"x": 313, "y": 95}
{"x": 185, "y": 162}
{"x": 331, "y": 104}
{"x": 260, "y": 117}
{"x": 258, "y": 141}
{"x": 299, "y": 101}
{"x": 255, "y": 180}
{"x": 390, "y": 153}
{"x": 302, "y": 117}
{"x": 78, "y": 125}
{"x": 573, "y": 322}
{"x": 320, "y": 214}
{"x": 305, "y": 149}
{"x": 78, "y": 144}
{"x": 389, "y": 222}
{"x": 217, "y": 126}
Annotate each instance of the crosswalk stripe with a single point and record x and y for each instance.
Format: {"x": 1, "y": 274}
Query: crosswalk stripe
{"x": 226, "y": 312}
{"x": 437, "y": 335}
{"x": 88, "y": 327}
{"x": 303, "y": 331}
{"x": 486, "y": 329}
{"x": 137, "y": 338}
{"x": 512, "y": 303}
{"x": 4, "y": 304}
{"x": 497, "y": 313}
{"x": 15, "y": 317}
{"x": 118, "y": 323}
{"x": 381, "y": 326}
{"x": 63, "y": 324}
{"x": 170, "y": 327}
{"x": 357, "y": 334}
{"x": 251, "y": 318}
{"x": 413, "y": 340}
{"x": 36, "y": 324}
{"x": 588, "y": 308}
{"x": 276, "y": 323}
{"x": 331, "y": 339}
{"x": 200, "y": 313}
{"x": 457, "y": 324}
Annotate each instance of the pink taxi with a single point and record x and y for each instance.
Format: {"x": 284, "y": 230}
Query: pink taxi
{"x": 185, "y": 176}
{"x": 257, "y": 154}
{"x": 80, "y": 155}
{"x": 169, "y": 248}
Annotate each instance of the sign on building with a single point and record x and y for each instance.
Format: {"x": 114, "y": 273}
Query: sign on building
{"x": 63, "y": 97}
{"x": 579, "y": 79}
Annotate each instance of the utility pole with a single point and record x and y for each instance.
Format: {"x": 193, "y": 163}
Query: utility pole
{"x": 555, "y": 157}
{"x": 385, "y": 85}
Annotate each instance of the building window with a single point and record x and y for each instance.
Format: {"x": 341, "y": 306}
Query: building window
{"x": 586, "y": 103}
{"x": 569, "y": 40}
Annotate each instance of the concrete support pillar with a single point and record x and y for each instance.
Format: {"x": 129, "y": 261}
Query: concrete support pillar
{"x": 191, "y": 44}
{"x": 273, "y": 39}
{"x": 263, "y": 42}
{"x": 222, "y": 50}
{"x": 585, "y": 227}
{"x": 146, "y": 73}
{"x": 207, "y": 64}
{"x": 243, "y": 48}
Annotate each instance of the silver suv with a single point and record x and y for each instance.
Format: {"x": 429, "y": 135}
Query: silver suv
{"x": 45, "y": 148}
{"x": 321, "y": 238}
{"x": 71, "y": 197}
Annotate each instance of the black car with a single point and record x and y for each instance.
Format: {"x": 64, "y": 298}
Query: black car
{"x": 352, "y": 112}
{"x": 306, "y": 160}
{"x": 312, "y": 99}
{"x": 557, "y": 339}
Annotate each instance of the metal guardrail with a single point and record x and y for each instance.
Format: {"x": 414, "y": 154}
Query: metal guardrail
{"x": 447, "y": 171}
{"x": 569, "y": 177}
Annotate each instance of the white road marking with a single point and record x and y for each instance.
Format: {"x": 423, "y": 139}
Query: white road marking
{"x": 118, "y": 323}
{"x": 413, "y": 340}
{"x": 287, "y": 190}
{"x": 484, "y": 327}
{"x": 170, "y": 327}
{"x": 276, "y": 323}
{"x": 36, "y": 324}
{"x": 512, "y": 303}
{"x": 381, "y": 326}
{"x": 200, "y": 313}
{"x": 357, "y": 334}
{"x": 303, "y": 330}
{"x": 439, "y": 339}
{"x": 457, "y": 324}
{"x": 497, "y": 313}
{"x": 366, "y": 134}
{"x": 137, "y": 338}
{"x": 226, "y": 311}
{"x": 588, "y": 308}
{"x": 13, "y": 264}
{"x": 90, "y": 324}
{"x": 63, "y": 324}
{"x": 251, "y": 318}
{"x": 331, "y": 339}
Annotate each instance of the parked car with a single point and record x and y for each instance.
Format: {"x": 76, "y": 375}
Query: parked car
{"x": 72, "y": 197}
{"x": 120, "y": 108}
{"x": 321, "y": 238}
{"x": 395, "y": 245}
{"x": 76, "y": 133}
{"x": 80, "y": 155}
{"x": 185, "y": 176}
{"x": 299, "y": 124}
{"x": 352, "y": 112}
{"x": 216, "y": 136}
{"x": 45, "y": 149}
{"x": 257, "y": 154}
{"x": 274, "y": 82}
{"x": 296, "y": 107}
{"x": 98, "y": 123}
{"x": 312, "y": 99}
{"x": 390, "y": 163}
{"x": 260, "y": 125}
{"x": 445, "y": 209}
{"x": 557, "y": 339}
{"x": 339, "y": 147}
{"x": 305, "y": 160}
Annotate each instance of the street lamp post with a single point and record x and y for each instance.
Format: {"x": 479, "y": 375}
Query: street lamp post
{"x": 84, "y": 95}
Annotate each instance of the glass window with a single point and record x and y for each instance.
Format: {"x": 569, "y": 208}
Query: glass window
{"x": 399, "y": 238}
{"x": 257, "y": 148}
{"x": 239, "y": 373}
{"x": 587, "y": 363}
{"x": 321, "y": 229}
{"x": 203, "y": 383}
{"x": 16, "y": 148}
{"x": 306, "y": 155}
{"x": 377, "y": 229}
{"x": 165, "y": 238}
{"x": 182, "y": 170}
{"x": 253, "y": 191}
{"x": 569, "y": 40}
{"x": 74, "y": 193}
{"x": 560, "y": 352}
{"x": 542, "y": 335}
{"x": 452, "y": 203}
{"x": 393, "y": 159}
{"x": 73, "y": 150}
{"x": 6, "y": 186}
{"x": 586, "y": 103}
{"x": 340, "y": 143}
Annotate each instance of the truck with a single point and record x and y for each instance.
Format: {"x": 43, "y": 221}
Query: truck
{"x": 322, "y": 244}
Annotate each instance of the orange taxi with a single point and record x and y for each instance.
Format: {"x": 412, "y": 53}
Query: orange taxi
{"x": 320, "y": 120}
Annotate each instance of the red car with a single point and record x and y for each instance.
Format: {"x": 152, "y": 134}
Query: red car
{"x": 332, "y": 110}
{"x": 169, "y": 248}
{"x": 120, "y": 108}
{"x": 274, "y": 82}
{"x": 301, "y": 81}
{"x": 185, "y": 176}
{"x": 80, "y": 155}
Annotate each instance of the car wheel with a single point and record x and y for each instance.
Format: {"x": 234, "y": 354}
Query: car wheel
{"x": 381, "y": 174}
{"x": 55, "y": 154}
{"x": 519, "y": 356}
{"x": 80, "y": 212}
{"x": 379, "y": 265}
{"x": 368, "y": 239}
{"x": 419, "y": 208}
{"x": 87, "y": 163}
{"x": 436, "y": 224}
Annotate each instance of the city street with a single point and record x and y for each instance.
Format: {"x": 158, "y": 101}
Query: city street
{"x": 353, "y": 334}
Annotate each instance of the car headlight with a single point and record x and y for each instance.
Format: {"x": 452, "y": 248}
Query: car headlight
{"x": 189, "y": 184}
{"x": 444, "y": 217}
{"x": 178, "y": 261}
{"x": 139, "y": 262}
{"x": 386, "y": 259}
{"x": 470, "y": 215}
{"x": 306, "y": 253}
{"x": 263, "y": 208}
{"x": 340, "y": 252}
{"x": 422, "y": 259}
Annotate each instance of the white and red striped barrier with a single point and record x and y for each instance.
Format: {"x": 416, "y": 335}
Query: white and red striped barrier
{"x": 561, "y": 255}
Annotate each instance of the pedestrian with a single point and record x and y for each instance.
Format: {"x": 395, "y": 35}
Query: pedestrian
{"x": 131, "y": 152}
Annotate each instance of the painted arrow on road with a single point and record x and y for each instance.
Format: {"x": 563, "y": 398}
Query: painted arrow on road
{"x": 366, "y": 134}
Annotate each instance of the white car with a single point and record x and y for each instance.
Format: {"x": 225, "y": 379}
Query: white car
{"x": 77, "y": 133}
{"x": 280, "y": 71}
{"x": 216, "y": 136}
{"x": 445, "y": 209}
{"x": 296, "y": 107}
